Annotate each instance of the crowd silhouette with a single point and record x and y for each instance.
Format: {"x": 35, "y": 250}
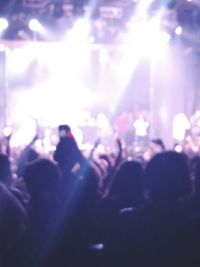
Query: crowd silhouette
{"x": 69, "y": 211}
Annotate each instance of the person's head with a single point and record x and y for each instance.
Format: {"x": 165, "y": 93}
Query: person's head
{"x": 159, "y": 143}
{"x": 42, "y": 178}
{"x": 67, "y": 152}
{"x": 128, "y": 182}
{"x": 64, "y": 131}
{"x": 167, "y": 176}
{"x": 5, "y": 170}
{"x": 32, "y": 155}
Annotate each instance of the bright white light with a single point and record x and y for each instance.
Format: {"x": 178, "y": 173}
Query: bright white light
{"x": 2, "y": 48}
{"x": 178, "y": 148}
{"x": 103, "y": 56}
{"x": 58, "y": 62}
{"x": 76, "y": 48}
{"x": 35, "y": 25}
{"x": 178, "y": 30}
{"x": 82, "y": 26}
{"x": 78, "y": 135}
{"x": 24, "y": 55}
{"x": 70, "y": 56}
{"x": 7, "y": 131}
{"x": 91, "y": 39}
{"x": 45, "y": 94}
{"x": 141, "y": 127}
{"x": 142, "y": 10}
{"x": 3, "y": 24}
{"x": 158, "y": 44}
{"x": 147, "y": 38}
{"x": 97, "y": 246}
{"x": 24, "y": 134}
{"x": 180, "y": 125}
{"x": 80, "y": 31}
{"x": 102, "y": 121}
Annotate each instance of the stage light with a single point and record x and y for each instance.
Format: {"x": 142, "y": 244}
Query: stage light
{"x": 7, "y": 131}
{"x": 3, "y": 24}
{"x": 146, "y": 37}
{"x": 35, "y": 25}
{"x": 178, "y": 148}
{"x": 178, "y": 30}
{"x": 97, "y": 247}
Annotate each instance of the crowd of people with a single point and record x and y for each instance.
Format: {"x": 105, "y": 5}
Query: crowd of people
{"x": 71, "y": 210}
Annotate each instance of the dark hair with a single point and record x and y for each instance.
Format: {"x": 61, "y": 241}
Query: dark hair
{"x": 158, "y": 142}
{"x": 5, "y": 170}
{"x": 128, "y": 181}
{"x": 42, "y": 176}
{"x": 167, "y": 176}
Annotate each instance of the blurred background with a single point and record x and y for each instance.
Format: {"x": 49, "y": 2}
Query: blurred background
{"x": 100, "y": 64}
